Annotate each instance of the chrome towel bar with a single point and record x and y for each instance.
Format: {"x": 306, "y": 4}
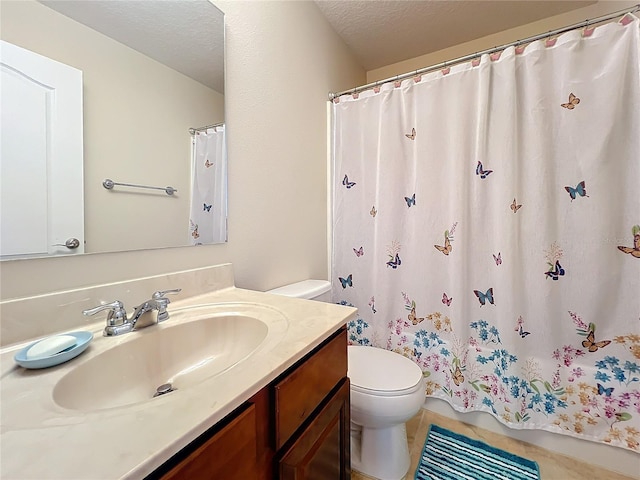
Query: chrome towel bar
{"x": 109, "y": 184}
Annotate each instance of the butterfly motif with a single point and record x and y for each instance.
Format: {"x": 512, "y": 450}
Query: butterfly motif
{"x": 457, "y": 376}
{"x": 498, "y": 259}
{"x": 605, "y": 391}
{"x": 447, "y": 245}
{"x": 555, "y": 272}
{"x": 372, "y": 304}
{"x": 358, "y": 252}
{"x": 373, "y": 211}
{"x": 635, "y": 250}
{"x": 347, "y": 183}
{"x": 590, "y": 343}
{"x": 412, "y": 135}
{"x": 412, "y": 317}
{"x": 480, "y": 171}
{"x": 515, "y": 207}
{"x": 573, "y": 101}
{"x": 522, "y": 332}
{"x": 346, "y": 281}
{"x": 394, "y": 262}
{"x": 446, "y": 300}
{"x": 206, "y": 208}
{"x": 579, "y": 190}
{"x": 623, "y": 416}
{"x": 519, "y": 328}
{"x": 485, "y": 297}
{"x": 417, "y": 354}
{"x": 208, "y": 164}
{"x": 410, "y": 200}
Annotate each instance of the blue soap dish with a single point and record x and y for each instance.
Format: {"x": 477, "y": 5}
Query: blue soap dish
{"x": 83, "y": 339}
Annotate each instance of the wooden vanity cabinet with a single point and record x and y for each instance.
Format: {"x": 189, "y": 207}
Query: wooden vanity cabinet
{"x": 321, "y": 450}
{"x": 295, "y": 428}
{"x": 228, "y": 454}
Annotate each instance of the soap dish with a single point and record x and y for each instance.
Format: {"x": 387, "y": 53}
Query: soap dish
{"x": 83, "y": 339}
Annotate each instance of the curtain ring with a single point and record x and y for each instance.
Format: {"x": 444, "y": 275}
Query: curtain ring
{"x": 587, "y": 32}
{"x": 550, "y": 42}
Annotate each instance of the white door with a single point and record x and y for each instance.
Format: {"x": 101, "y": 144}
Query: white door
{"x": 41, "y": 186}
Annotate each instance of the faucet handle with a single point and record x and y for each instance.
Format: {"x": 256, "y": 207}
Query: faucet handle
{"x": 162, "y": 302}
{"x": 161, "y": 293}
{"x": 117, "y": 313}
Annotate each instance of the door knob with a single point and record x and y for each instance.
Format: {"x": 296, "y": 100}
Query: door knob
{"x": 71, "y": 243}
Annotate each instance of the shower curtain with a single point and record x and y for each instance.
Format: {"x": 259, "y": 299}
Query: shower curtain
{"x": 208, "y": 216}
{"x": 487, "y": 226}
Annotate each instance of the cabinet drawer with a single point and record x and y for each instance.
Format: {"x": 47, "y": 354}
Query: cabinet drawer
{"x": 300, "y": 392}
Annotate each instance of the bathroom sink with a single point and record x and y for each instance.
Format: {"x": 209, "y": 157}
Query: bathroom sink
{"x": 190, "y": 347}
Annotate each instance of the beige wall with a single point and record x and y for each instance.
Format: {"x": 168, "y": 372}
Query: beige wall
{"x": 137, "y": 113}
{"x": 282, "y": 60}
{"x": 501, "y": 38}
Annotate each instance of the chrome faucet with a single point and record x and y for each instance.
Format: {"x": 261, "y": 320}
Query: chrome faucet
{"x": 117, "y": 321}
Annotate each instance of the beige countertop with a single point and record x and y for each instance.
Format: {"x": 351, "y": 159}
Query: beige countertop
{"x": 42, "y": 440}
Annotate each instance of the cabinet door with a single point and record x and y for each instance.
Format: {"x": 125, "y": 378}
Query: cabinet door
{"x": 322, "y": 450}
{"x": 305, "y": 388}
{"x": 230, "y": 454}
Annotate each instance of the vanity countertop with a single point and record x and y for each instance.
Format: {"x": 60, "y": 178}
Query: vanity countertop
{"x": 41, "y": 440}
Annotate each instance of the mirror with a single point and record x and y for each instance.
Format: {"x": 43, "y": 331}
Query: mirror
{"x": 150, "y": 72}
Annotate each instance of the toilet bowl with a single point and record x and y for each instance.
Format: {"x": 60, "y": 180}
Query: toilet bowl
{"x": 387, "y": 389}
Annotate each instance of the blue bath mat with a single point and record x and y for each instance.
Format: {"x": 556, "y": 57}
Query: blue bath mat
{"x": 450, "y": 456}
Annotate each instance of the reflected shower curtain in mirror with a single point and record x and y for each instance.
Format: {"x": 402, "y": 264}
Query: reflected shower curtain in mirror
{"x": 207, "y": 220}
{"x": 487, "y": 226}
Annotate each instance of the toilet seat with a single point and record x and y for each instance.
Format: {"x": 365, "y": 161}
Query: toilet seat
{"x": 380, "y": 372}
{"x": 386, "y": 393}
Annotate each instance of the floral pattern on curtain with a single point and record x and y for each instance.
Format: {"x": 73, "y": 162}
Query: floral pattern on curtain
{"x": 486, "y": 225}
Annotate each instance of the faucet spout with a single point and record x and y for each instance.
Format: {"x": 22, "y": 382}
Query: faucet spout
{"x": 138, "y": 312}
{"x": 157, "y": 302}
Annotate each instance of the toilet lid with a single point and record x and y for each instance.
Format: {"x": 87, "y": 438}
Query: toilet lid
{"x": 382, "y": 370}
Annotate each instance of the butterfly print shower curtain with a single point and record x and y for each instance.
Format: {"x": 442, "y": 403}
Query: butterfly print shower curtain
{"x": 208, "y": 210}
{"x": 489, "y": 231}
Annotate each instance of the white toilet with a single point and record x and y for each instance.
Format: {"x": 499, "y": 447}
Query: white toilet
{"x": 387, "y": 389}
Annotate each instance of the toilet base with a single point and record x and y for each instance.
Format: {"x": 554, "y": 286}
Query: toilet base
{"x": 381, "y": 453}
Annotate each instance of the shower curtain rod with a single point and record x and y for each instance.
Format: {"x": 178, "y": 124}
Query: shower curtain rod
{"x": 193, "y": 131}
{"x": 475, "y": 55}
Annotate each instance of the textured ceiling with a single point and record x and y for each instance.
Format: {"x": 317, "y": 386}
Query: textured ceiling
{"x": 187, "y": 36}
{"x": 384, "y": 32}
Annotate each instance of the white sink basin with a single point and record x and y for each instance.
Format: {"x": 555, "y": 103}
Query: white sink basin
{"x": 193, "y": 345}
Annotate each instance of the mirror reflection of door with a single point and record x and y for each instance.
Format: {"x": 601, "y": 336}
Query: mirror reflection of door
{"x": 41, "y": 191}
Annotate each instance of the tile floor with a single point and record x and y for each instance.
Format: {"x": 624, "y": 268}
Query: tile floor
{"x": 553, "y": 466}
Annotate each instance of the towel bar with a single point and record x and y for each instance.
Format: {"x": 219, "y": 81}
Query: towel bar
{"x": 109, "y": 184}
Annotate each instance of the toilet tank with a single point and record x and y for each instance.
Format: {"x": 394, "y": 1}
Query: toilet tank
{"x": 319, "y": 290}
